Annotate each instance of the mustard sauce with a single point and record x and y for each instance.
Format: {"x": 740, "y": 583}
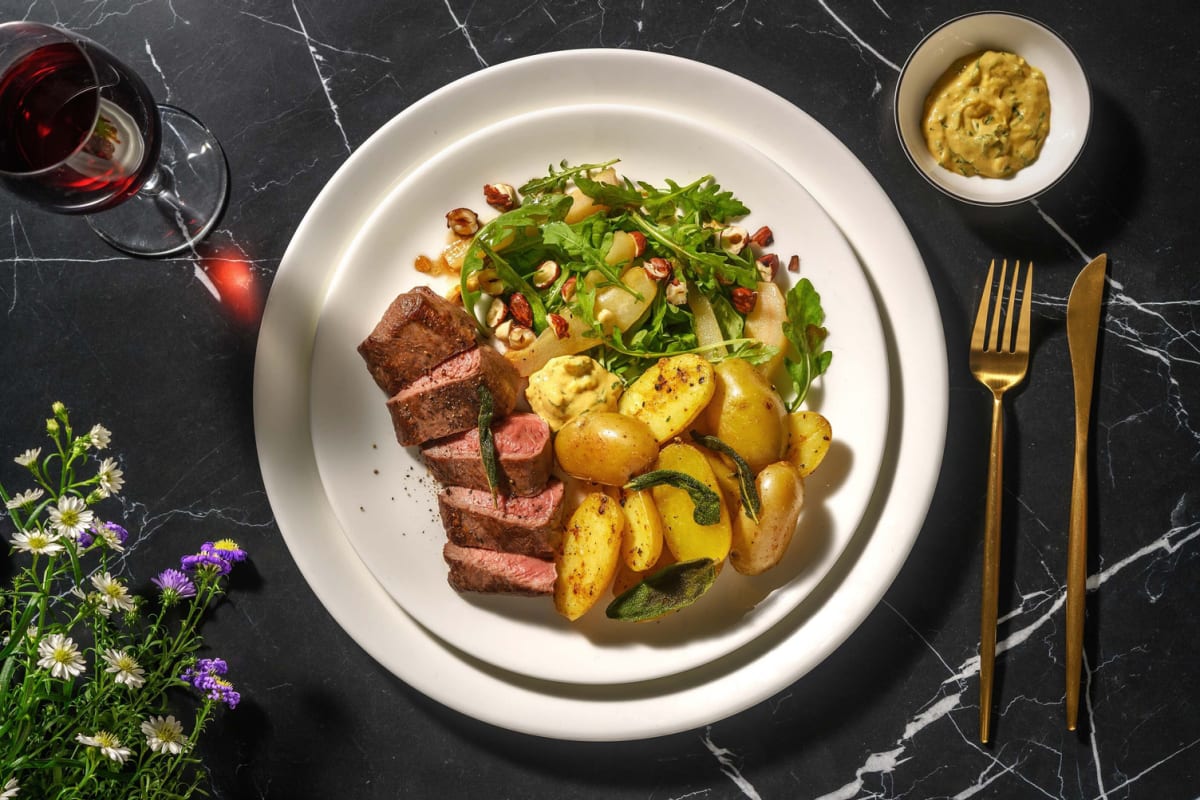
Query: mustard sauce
{"x": 570, "y": 385}
{"x": 988, "y": 115}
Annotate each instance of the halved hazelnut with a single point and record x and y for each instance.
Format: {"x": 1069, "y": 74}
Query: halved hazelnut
{"x": 463, "y": 221}
{"x": 522, "y": 312}
{"x": 497, "y": 312}
{"x": 500, "y": 196}
{"x": 520, "y": 337}
{"x": 486, "y": 280}
{"x": 767, "y": 265}
{"x": 568, "y": 289}
{"x": 732, "y": 239}
{"x": 676, "y": 293}
{"x": 639, "y": 242}
{"x": 657, "y": 268}
{"x": 559, "y": 324}
{"x": 546, "y": 274}
{"x": 502, "y": 330}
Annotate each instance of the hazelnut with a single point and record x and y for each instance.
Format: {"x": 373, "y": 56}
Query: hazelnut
{"x": 568, "y": 289}
{"x": 639, "y": 242}
{"x": 463, "y": 221}
{"x": 522, "y": 312}
{"x": 559, "y": 324}
{"x": 763, "y": 237}
{"x": 676, "y": 293}
{"x": 658, "y": 268}
{"x": 767, "y": 265}
{"x": 497, "y": 312}
{"x": 502, "y": 330}
{"x": 546, "y": 274}
{"x": 500, "y": 196}
{"x": 520, "y": 337}
{"x": 743, "y": 299}
{"x": 486, "y": 280}
{"x": 732, "y": 239}
{"x": 794, "y": 264}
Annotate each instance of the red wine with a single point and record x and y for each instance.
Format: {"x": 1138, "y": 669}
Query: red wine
{"x": 78, "y": 132}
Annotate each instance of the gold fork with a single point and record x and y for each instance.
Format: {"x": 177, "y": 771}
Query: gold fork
{"x": 999, "y": 364}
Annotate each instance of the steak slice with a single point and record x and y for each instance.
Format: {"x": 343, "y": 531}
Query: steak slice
{"x": 473, "y": 569}
{"x": 526, "y": 525}
{"x": 446, "y": 401}
{"x": 419, "y": 330}
{"x": 522, "y": 449}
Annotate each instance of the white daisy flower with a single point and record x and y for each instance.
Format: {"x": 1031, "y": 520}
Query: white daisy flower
{"x": 70, "y": 517}
{"x": 60, "y": 655}
{"x": 125, "y": 667}
{"x": 163, "y": 735}
{"x": 113, "y": 593}
{"x": 109, "y": 745}
{"x": 111, "y": 479}
{"x": 11, "y": 789}
{"x": 25, "y": 498}
{"x": 28, "y": 457}
{"x": 37, "y": 542}
{"x": 100, "y": 437}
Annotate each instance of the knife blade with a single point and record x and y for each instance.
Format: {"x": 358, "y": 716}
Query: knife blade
{"x": 1083, "y": 330}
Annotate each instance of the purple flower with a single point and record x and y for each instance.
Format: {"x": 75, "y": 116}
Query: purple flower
{"x": 205, "y": 675}
{"x": 116, "y": 530}
{"x": 174, "y": 585}
{"x": 225, "y": 548}
{"x": 85, "y": 538}
{"x": 206, "y": 562}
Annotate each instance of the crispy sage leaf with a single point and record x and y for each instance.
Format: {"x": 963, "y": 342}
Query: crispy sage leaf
{"x": 706, "y": 504}
{"x": 749, "y": 492}
{"x": 669, "y": 589}
{"x": 487, "y": 443}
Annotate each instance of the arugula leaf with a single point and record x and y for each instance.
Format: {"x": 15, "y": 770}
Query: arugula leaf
{"x": 805, "y": 333}
{"x": 556, "y": 180}
{"x": 702, "y": 197}
{"x": 577, "y": 245}
{"x": 607, "y": 194}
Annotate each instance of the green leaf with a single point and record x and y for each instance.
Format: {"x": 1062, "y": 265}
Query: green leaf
{"x": 670, "y": 589}
{"x": 706, "y": 504}
{"x": 804, "y": 330}
{"x": 557, "y": 180}
{"x": 746, "y": 488}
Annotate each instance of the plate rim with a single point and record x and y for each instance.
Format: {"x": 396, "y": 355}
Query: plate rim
{"x": 771, "y": 664}
{"x": 611, "y": 661}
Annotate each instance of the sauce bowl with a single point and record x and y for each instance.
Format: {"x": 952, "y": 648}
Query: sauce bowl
{"x": 1070, "y": 103}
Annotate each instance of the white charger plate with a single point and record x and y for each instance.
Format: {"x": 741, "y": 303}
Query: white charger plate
{"x": 918, "y": 387}
{"x": 386, "y": 505}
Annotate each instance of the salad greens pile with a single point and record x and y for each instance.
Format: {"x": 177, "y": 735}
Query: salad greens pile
{"x": 679, "y": 223}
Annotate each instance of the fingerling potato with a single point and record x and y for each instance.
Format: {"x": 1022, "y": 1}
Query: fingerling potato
{"x": 746, "y": 413}
{"x": 670, "y": 395}
{"x": 758, "y": 546}
{"x": 683, "y": 536}
{"x": 642, "y": 542}
{"x": 605, "y": 447}
{"x": 591, "y": 551}
{"x": 809, "y": 435}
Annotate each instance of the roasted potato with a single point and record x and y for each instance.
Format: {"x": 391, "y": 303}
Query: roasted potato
{"x": 670, "y": 395}
{"x": 642, "y": 542}
{"x": 809, "y": 435}
{"x": 683, "y": 536}
{"x": 605, "y": 447}
{"x": 746, "y": 413}
{"x": 591, "y": 551}
{"x": 758, "y": 546}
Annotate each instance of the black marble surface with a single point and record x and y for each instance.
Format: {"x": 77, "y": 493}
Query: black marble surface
{"x": 152, "y": 350}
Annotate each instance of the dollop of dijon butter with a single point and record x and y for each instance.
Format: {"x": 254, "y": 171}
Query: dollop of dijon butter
{"x": 570, "y": 385}
{"x": 987, "y": 115}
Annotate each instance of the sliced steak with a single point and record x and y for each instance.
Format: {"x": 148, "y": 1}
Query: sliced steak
{"x": 526, "y": 525}
{"x": 446, "y": 401}
{"x": 473, "y": 569}
{"x": 523, "y": 451}
{"x": 419, "y": 330}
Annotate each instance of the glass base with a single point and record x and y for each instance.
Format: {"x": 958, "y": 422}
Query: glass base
{"x": 182, "y": 200}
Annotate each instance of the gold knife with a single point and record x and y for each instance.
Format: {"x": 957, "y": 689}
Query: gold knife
{"x": 1083, "y": 328}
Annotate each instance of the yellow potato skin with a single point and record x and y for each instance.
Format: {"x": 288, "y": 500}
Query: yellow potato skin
{"x": 590, "y": 554}
{"x": 809, "y": 435}
{"x": 759, "y": 546}
{"x": 670, "y": 395}
{"x": 682, "y": 535}
{"x": 746, "y": 413}
{"x": 642, "y": 542}
{"x": 605, "y": 447}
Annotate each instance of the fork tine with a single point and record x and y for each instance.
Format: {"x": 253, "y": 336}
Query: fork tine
{"x": 1026, "y": 303}
{"x": 1012, "y": 311}
{"x": 977, "y": 335}
{"x": 996, "y": 313}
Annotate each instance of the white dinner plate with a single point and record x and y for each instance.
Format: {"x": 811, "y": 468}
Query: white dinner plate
{"x": 387, "y": 507}
{"x": 918, "y": 392}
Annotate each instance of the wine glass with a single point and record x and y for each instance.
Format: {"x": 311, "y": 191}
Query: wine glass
{"x": 80, "y": 134}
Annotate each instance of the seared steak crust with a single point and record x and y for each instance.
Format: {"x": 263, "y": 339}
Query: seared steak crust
{"x": 473, "y": 569}
{"x": 523, "y": 453}
{"x": 446, "y": 400}
{"x": 525, "y": 525}
{"x": 419, "y": 330}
